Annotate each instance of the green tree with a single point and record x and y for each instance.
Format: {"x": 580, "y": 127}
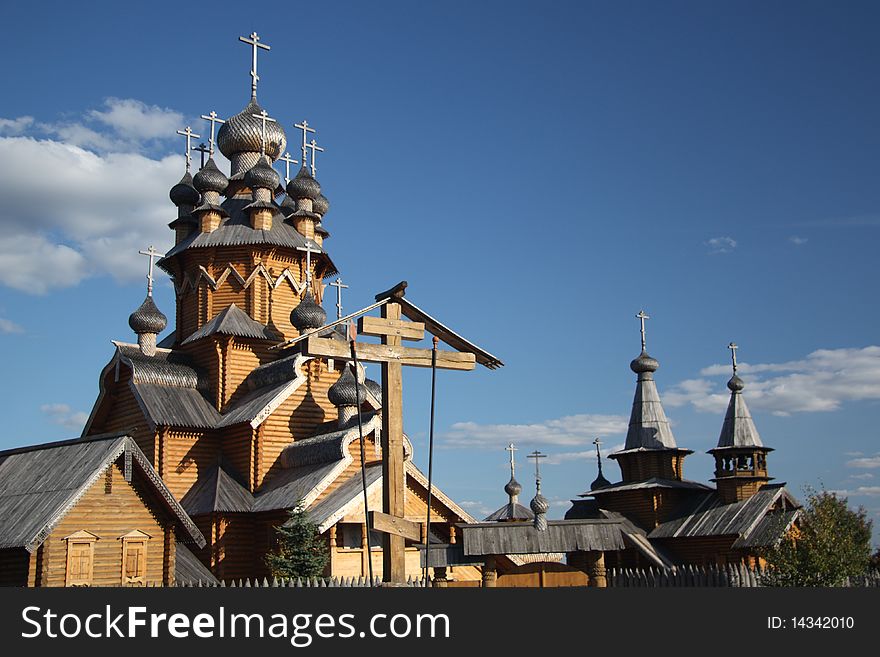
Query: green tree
{"x": 829, "y": 543}
{"x": 300, "y": 552}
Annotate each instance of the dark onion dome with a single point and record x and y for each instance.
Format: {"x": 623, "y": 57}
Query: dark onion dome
{"x": 320, "y": 205}
{"x": 210, "y": 178}
{"x": 735, "y": 384}
{"x": 148, "y": 318}
{"x": 242, "y": 133}
{"x": 644, "y": 363}
{"x": 375, "y": 388}
{"x": 308, "y": 315}
{"x": 288, "y": 205}
{"x": 599, "y": 482}
{"x": 346, "y": 391}
{"x": 513, "y": 487}
{"x": 320, "y": 230}
{"x": 304, "y": 186}
{"x": 183, "y": 193}
{"x": 539, "y": 504}
{"x": 262, "y": 176}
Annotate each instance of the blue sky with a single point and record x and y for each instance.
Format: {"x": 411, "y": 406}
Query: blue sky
{"x": 538, "y": 174}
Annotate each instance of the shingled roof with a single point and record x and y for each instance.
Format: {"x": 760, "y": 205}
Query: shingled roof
{"x": 40, "y": 484}
{"x": 233, "y": 321}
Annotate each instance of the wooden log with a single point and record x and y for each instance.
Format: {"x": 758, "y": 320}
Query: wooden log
{"x": 382, "y": 522}
{"x": 379, "y": 327}
{"x": 388, "y": 353}
{"x": 393, "y": 477}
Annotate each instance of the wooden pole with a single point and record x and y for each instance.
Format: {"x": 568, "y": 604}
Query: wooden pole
{"x": 393, "y": 556}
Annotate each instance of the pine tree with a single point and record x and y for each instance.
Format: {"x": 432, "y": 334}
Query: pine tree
{"x": 300, "y": 551}
{"x": 830, "y": 544}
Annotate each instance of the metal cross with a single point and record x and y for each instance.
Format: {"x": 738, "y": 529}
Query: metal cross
{"x": 537, "y": 455}
{"x": 304, "y": 126}
{"x": 314, "y": 146}
{"x": 642, "y": 317}
{"x": 264, "y": 117}
{"x": 211, "y": 117}
{"x": 152, "y": 254}
{"x": 201, "y": 148}
{"x": 189, "y": 134}
{"x": 598, "y": 442}
{"x": 255, "y": 44}
{"x": 339, "y": 285}
{"x": 287, "y": 162}
{"x": 511, "y": 448}
{"x": 733, "y": 347}
{"x": 309, "y": 251}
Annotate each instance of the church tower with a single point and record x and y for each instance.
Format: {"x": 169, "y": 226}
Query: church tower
{"x": 740, "y": 457}
{"x": 650, "y": 450}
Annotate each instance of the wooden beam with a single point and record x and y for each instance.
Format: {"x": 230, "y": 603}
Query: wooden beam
{"x": 382, "y": 522}
{"x": 388, "y": 353}
{"x": 382, "y": 327}
{"x": 393, "y": 477}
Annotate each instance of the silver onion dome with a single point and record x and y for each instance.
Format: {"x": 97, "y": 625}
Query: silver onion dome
{"x": 304, "y": 186}
{"x": 644, "y": 363}
{"x": 210, "y": 178}
{"x": 308, "y": 314}
{"x": 513, "y": 487}
{"x": 183, "y": 193}
{"x": 735, "y": 384}
{"x": 320, "y": 205}
{"x": 147, "y": 318}
{"x": 375, "y": 388}
{"x": 242, "y": 133}
{"x": 539, "y": 504}
{"x": 262, "y": 176}
{"x": 346, "y": 391}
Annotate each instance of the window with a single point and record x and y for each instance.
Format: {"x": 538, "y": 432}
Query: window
{"x": 134, "y": 558}
{"x": 80, "y": 558}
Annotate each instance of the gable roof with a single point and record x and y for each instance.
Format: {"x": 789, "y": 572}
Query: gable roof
{"x": 40, "y": 484}
{"x": 219, "y": 491}
{"x": 233, "y": 321}
{"x": 188, "y": 569}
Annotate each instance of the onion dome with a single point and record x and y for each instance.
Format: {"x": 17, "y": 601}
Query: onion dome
{"x": 512, "y": 487}
{"x": 374, "y": 388}
{"x": 183, "y": 193}
{"x": 210, "y": 178}
{"x": 320, "y": 205}
{"x": 242, "y": 133}
{"x": 735, "y": 384}
{"x": 148, "y": 318}
{"x": 346, "y": 391}
{"x": 308, "y": 315}
{"x": 304, "y": 186}
{"x": 644, "y": 363}
{"x": 539, "y": 504}
{"x": 262, "y": 176}
{"x": 599, "y": 482}
{"x": 288, "y": 205}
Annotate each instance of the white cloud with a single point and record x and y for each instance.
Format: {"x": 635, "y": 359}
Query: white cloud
{"x": 867, "y": 462}
{"x": 15, "y": 126}
{"x": 861, "y": 491}
{"x": 721, "y": 244}
{"x": 476, "y": 508}
{"x": 864, "y": 475}
{"x": 138, "y": 120}
{"x": 798, "y": 241}
{"x": 821, "y": 382}
{"x": 570, "y": 430}
{"x": 564, "y": 457}
{"x": 63, "y": 415}
{"x": 8, "y": 326}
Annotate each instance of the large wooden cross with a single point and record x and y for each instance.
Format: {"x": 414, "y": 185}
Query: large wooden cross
{"x": 392, "y": 357}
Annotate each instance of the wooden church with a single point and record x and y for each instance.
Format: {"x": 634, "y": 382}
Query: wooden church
{"x": 249, "y": 406}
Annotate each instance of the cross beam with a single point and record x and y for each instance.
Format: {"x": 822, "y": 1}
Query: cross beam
{"x": 254, "y": 43}
{"x": 388, "y": 352}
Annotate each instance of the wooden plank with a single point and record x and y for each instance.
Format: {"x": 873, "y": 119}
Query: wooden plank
{"x": 393, "y": 477}
{"x": 379, "y": 327}
{"x": 388, "y": 353}
{"x": 382, "y": 522}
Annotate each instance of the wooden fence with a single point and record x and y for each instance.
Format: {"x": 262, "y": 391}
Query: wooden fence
{"x": 299, "y": 583}
{"x": 731, "y": 575}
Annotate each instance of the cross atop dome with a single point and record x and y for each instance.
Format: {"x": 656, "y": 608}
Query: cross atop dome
{"x": 254, "y": 43}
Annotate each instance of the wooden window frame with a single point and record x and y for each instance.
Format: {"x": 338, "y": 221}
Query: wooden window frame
{"x": 129, "y": 540}
{"x": 82, "y": 537}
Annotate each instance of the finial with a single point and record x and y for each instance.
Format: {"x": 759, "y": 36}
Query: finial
{"x": 339, "y": 285}
{"x": 152, "y": 254}
{"x": 537, "y": 455}
{"x": 314, "y": 146}
{"x": 201, "y": 148}
{"x": 255, "y": 44}
{"x": 733, "y": 347}
{"x": 264, "y": 118}
{"x": 512, "y": 448}
{"x": 735, "y": 384}
{"x": 598, "y": 442}
{"x": 190, "y": 135}
{"x": 304, "y": 126}
{"x": 539, "y": 503}
{"x": 642, "y": 316}
{"x": 287, "y": 162}
{"x": 600, "y": 481}
{"x": 308, "y": 251}
{"x": 211, "y": 117}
